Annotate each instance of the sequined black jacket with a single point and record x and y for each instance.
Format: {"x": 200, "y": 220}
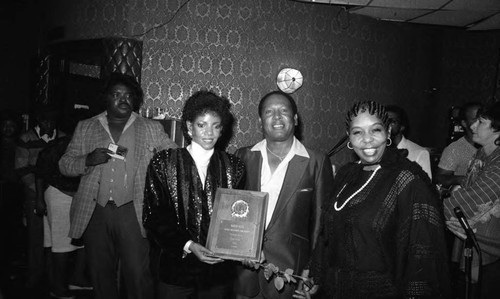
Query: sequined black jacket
{"x": 177, "y": 209}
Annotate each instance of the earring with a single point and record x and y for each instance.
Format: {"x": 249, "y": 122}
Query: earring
{"x": 349, "y": 145}
{"x": 390, "y": 141}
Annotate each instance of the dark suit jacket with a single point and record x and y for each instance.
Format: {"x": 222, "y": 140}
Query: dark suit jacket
{"x": 294, "y": 226}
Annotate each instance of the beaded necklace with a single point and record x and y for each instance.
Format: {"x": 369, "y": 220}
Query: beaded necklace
{"x": 355, "y": 193}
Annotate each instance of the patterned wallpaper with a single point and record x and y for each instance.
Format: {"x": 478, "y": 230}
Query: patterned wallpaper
{"x": 237, "y": 48}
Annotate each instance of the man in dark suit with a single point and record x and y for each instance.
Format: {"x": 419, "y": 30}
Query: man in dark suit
{"x": 111, "y": 152}
{"x": 298, "y": 181}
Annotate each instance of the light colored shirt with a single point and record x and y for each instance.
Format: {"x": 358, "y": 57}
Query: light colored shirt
{"x": 201, "y": 159}
{"x": 417, "y": 154}
{"x": 479, "y": 200}
{"x": 456, "y": 156}
{"x": 272, "y": 182}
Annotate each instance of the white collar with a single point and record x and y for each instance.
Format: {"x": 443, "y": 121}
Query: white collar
{"x": 200, "y": 155}
{"x": 45, "y": 137}
{"x": 297, "y": 148}
{"x": 403, "y": 143}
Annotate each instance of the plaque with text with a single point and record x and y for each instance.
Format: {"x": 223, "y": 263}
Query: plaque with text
{"x": 237, "y": 224}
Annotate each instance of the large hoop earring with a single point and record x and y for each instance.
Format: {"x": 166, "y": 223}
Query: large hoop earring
{"x": 390, "y": 141}
{"x": 349, "y": 145}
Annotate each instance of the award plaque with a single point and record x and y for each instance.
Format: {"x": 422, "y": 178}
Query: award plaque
{"x": 237, "y": 224}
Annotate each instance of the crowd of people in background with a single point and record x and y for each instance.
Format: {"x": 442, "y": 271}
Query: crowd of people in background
{"x": 110, "y": 204}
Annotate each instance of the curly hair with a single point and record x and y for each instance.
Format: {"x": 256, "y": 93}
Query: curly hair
{"x": 371, "y": 107}
{"x": 128, "y": 81}
{"x": 203, "y": 102}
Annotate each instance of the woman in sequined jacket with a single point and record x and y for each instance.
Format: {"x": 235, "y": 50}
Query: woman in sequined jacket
{"x": 178, "y": 202}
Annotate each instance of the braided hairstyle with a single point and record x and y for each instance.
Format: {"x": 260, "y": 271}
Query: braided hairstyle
{"x": 371, "y": 107}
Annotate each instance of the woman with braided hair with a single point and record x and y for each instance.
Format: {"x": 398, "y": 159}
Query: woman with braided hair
{"x": 382, "y": 234}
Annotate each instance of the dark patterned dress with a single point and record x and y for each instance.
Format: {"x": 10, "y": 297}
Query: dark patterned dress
{"x": 388, "y": 240}
{"x": 177, "y": 209}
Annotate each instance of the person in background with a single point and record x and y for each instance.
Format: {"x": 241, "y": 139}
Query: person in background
{"x": 299, "y": 180}
{"x": 451, "y": 171}
{"x": 110, "y": 152}
{"x": 479, "y": 200}
{"x": 10, "y": 205}
{"x": 382, "y": 235}
{"x": 54, "y": 196}
{"x": 9, "y": 132}
{"x": 180, "y": 190}
{"x": 398, "y": 120}
{"x": 456, "y": 156}
{"x": 30, "y": 144}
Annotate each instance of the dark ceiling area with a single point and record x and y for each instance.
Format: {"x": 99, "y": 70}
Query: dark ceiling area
{"x": 471, "y": 15}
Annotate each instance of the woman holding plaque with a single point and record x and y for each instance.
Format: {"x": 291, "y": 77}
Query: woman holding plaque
{"x": 178, "y": 202}
{"x": 382, "y": 234}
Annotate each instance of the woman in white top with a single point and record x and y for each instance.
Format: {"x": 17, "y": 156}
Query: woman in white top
{"x": 178, "y": 202}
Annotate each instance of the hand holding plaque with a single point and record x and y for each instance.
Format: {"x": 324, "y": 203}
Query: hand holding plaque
{"x": 237, "y": 224}
{"x": 203, "y": 254}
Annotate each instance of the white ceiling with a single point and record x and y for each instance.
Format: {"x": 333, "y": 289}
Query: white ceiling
{"x": 467, "y": 14}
